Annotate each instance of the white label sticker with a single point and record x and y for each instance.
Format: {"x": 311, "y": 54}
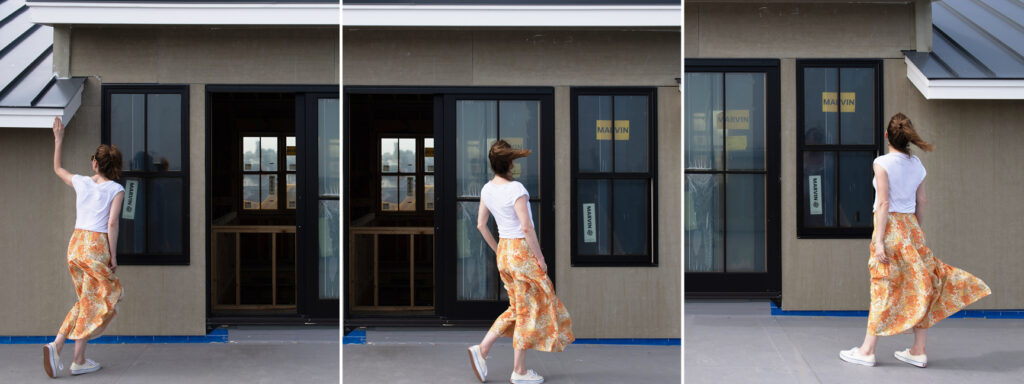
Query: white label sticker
{"x": 814, "y": 183}
{"x": 589, "y": 224}
{"x": 128, "y": 208}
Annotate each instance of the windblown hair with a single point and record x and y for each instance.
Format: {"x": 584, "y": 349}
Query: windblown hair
{"x": 501, "y": 156}
{"x": 108, "y": 161}
{"x": 901, "y": 134}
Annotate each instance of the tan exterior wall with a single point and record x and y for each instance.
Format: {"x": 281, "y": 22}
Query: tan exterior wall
{"x": 160, "y": 300}
{"x": 972, "y": 185}
{"x": 603, "y": 301}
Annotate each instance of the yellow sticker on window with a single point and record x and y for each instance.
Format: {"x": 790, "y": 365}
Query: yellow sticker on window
{"x": 733, "y": 119}
{"x": 847, "y": 103}
{"x": 604, "y": 130}
{"x": 736, "y": 143}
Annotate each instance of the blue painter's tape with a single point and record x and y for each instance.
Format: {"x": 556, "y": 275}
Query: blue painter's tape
{"x": 668, "y": 341}
{"x": 357, "y": 336}
{"x": 219, "y": 335}
{"x": 963, "y": 314}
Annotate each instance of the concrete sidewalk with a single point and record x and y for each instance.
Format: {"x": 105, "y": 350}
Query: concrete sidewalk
{"x": 435, "y": 355}
{"x": 253, "y": 355}
{"x": 739, "y": 342}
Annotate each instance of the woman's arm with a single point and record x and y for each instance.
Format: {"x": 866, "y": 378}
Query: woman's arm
{"x": 481, "y": 224}
{"x": 921, "y": 200}
{"x": 112, "y": 224}
{"x": 527, "y": 226}
{"x": 58, "y": 140}
{"x": 881, "y": 213}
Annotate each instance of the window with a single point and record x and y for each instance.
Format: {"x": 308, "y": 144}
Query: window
{"x": 839, "y": 121}
{"x": 401, "y": 173}
{"x": 261, "y": 175}
{"x": 149, "y": 124}
{"x": 613, "y": 168}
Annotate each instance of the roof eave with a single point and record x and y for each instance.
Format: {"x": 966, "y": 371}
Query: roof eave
{"x": 964, "y": 89}
{"x": 39, "y": 117}
{"x": 175, "y": 13}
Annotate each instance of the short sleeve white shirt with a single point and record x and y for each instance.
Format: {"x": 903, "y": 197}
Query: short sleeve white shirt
{"x": 905, "y": 173}
{"x": 500, "y": 201}
{"x": 92, "y": 202}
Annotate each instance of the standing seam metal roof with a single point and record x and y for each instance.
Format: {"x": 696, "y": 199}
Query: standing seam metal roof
{"x": 26, "y": 62}
{"x": 974, "y": 39}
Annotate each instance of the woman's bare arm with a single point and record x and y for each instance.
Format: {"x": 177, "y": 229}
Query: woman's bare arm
{"x": 921, "y": 200}
{"x": 58, "y": 140}
{"x": 881, "y": 213}
{"x": 531, "y": 236}
{"x": 112, "y": 227}
{"x": 481, "y": 225}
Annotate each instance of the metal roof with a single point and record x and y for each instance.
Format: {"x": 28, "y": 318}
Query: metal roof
{"x": 26, "y": 63}
{"x": 974, "y": 39}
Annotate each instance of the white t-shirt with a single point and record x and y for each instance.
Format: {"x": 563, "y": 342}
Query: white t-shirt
{"x": 500, "y": 200}
{"x": 92, "y": 202}
{"x": 905, "y": 174}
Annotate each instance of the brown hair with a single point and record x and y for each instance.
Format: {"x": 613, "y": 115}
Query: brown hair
{"x": 108, "y": 161}
{"x": 901, "y": 134}
{"x": 501, "y": 156}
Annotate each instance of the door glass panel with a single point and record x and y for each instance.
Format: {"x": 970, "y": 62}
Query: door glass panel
{"x": 328, "y": 159}
{"x": 745, "y": 224}
{"x": 520, "y": 127}
{"x": 475, "y": 260}
{"x": 630, "y": 133}
{"x": 821, "y": 120}
{"x": 703, "y": 237}
{"x": 704, "y": 133}
{"x": 329, "y": 245}
{"x": 163, "y": 119}
{"x": 744, "y": 120}
{"x": 594, "y": 137}
{"x": 128, "y": 129}
{"x": 476, "y": 127}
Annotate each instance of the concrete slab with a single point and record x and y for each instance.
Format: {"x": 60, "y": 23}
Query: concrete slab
{"x": 739, "y": 342}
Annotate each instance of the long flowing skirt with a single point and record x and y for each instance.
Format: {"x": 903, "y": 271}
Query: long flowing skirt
{"x": 535, "y": 318}
{"x": 915, "y": 289}
{"x": 98, "y": 289}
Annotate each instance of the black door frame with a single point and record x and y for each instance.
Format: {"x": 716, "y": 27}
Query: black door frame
{"x": 749, "y": 284}
{"x": 447, "y": 310}
{"x": 308, "y": 307}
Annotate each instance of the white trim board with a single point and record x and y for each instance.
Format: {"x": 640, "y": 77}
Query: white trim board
{"x": 964, "y": 89}
{"x": 129, "y": 13}
{"x": 39, "y": 117}
{"x": 512, "y": 15}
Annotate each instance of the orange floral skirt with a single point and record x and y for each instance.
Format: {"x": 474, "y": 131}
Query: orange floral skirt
{"x": 97, "y": 287}
{"x": 535, "y": 318}
{"x": 915, "y": 289}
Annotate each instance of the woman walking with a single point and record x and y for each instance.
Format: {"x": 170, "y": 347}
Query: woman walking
{"x": 535, "y": 318}
{"x": 910, "y": 288}
{"x": 92, "y": 256}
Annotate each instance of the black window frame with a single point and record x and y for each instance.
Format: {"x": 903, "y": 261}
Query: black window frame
{"x": 835, "y": 232}
{"x": 418, "y": 174}
{"x": 282, "y": 170}
{"x": 151, "y": 258}
{"x": 612, "y": 260}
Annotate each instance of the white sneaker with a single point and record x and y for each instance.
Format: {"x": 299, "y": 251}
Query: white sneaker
{"x": 89, "y": 366}
{"x": 51, "y": 361}
{"x": 530, "y": 377}
{"x": 852, "y": 355}
{"x": 915, "y": 360}
{"x": 476, "y": 360}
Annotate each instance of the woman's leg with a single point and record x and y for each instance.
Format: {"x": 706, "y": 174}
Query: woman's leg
{"x": 868, "y": 347}
{"x": 519, "y": 364}
{"x": 920, "y": 336}
{"x": 485, "y": 345}
{"x": 80, "y": 351}
{"x": 59, "y": 342}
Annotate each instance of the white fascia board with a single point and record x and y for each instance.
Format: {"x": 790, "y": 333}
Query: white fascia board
{"x": 37, "y": 117}
{"x": 511, "y": 16}
{"x": 129, "y": 13}
{"x": 964, "y": 89}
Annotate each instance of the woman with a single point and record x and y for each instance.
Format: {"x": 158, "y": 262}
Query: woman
{"x": 535, "y": 318}
{"x": 910, "y": 288}
{"x": 92, "y": 255}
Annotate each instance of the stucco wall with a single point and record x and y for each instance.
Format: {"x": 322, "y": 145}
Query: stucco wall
{"x": 160, "y": 300}
{"x": 603, "y": 301}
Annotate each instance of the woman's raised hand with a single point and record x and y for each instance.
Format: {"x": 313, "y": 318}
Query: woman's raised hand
{"x": 58, "y": 129}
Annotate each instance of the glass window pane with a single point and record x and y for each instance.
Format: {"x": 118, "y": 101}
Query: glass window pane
{"x": 819, "y": 192}
{"x": 744, "y": 120}
{"x": 328, "y": 147}
{"x": 520, "y": 127}
{"x": 389, "y": 155}
{"x": 290, "y": 153}
{"x": 389, "y": 193}
{"x": 268, "y": 154}
{"x": 329, "y": 249}
{"x": 476, "y": 128}
{"x": 631, "y": 217}
{"x": 745, "y": 223}
{"x": 250, "y": 154}
{"x": 630, "y": 133}
{"x": 428, "y": 154}
{"x": 703, "y": 224}
{"x": 163, "y": 131}
{"x": 856, "y": 194}
{"x": 250, "y": 191}
{"x": 407, "y": 193}
{"x": 165, "y": 215}
{"x": 703, "y": 128}
{"x": 476, "y": 272}
{"x": 857, "y": 105}
{"x": 428, "y": 192}
{"x": 821, "y": 118}
{"x": 132, "y": 228}
{"x": 290, "y": 182}
{"x": 407, "y": 155}
{"x": 128, "y": 129}
{"x": 268, "y": 191}
{"x": 594, "y": 133}
{"x": 594, "y": 220}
